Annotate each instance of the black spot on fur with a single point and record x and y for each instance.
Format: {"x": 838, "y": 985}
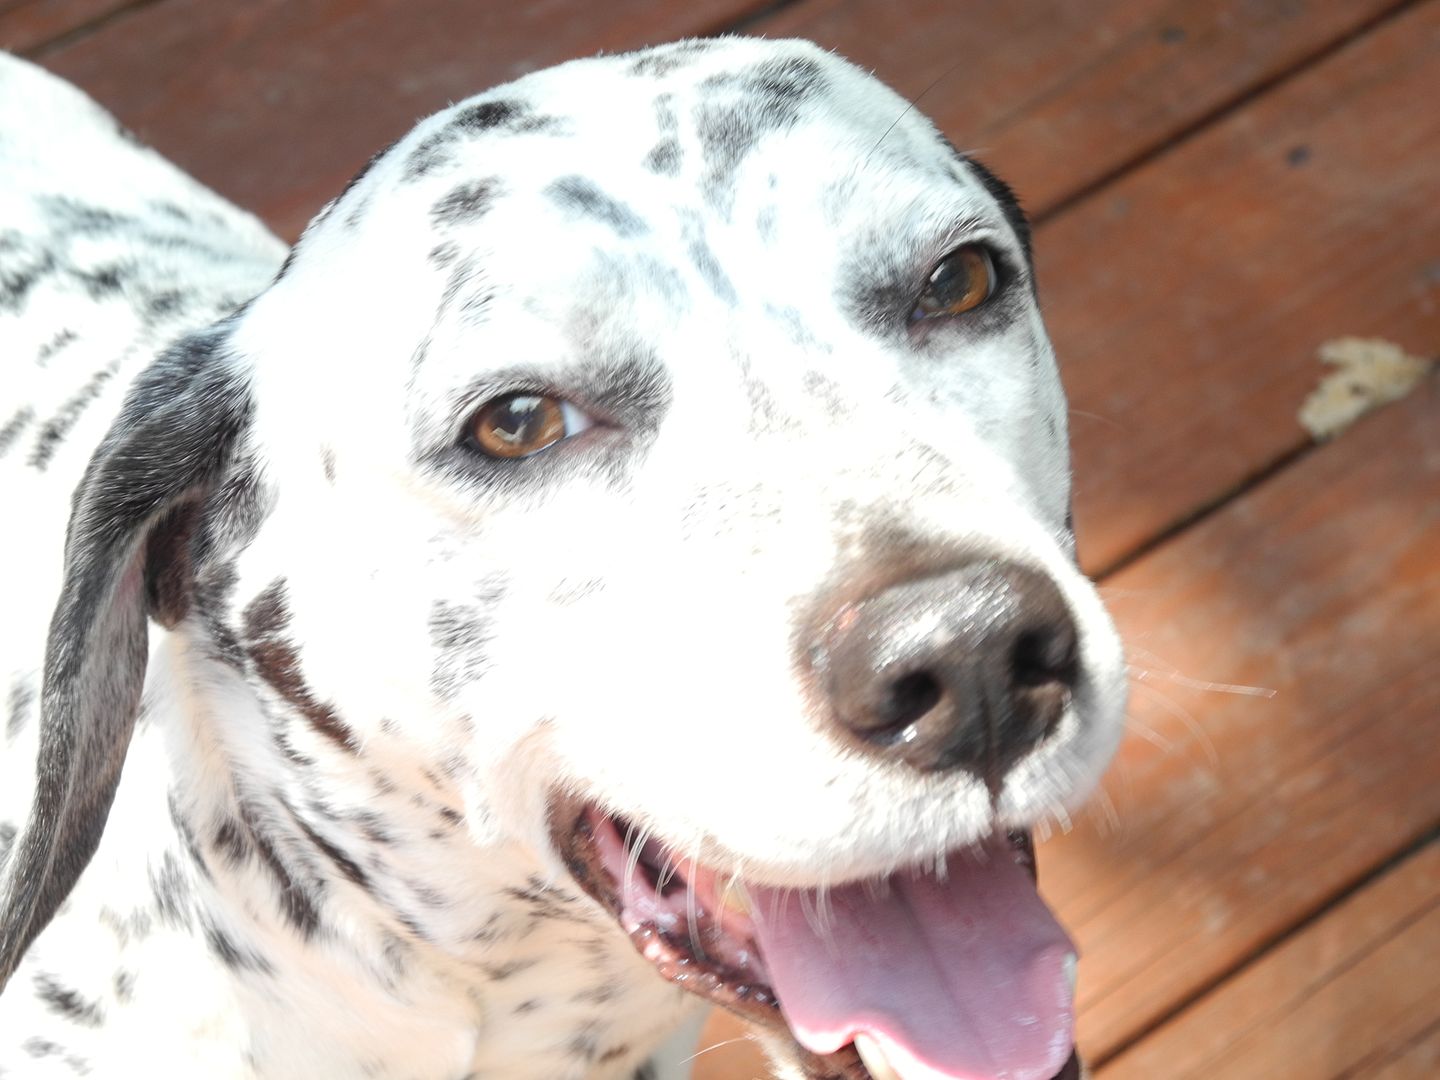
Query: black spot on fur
{"x": 544, "y": 901}
{"x": 160, "y": 304}
{"x": 231, "y": 954}
{"x": 529, "y": 1005}
{"x": 343, "y": 862}
{"x": 297, "y": 902}
{"x": 661, "y": 61}
{"x": 37, "y": 1047}
{"x": 278, "y": 663}
{"x": 103, "y": 281}
{"x": 745, "y": 107}
{"x": 67, "y": 1003}
{"x": 124, "y": 986}
{"x": 52, "y": 433}
{"x": 54, "y": 345}
{"x": 466, "y": 203}
{"x": 433, "y": 152}
{"x": 501, "y": 972}
{"x": 11, "y": 429}
{"x": 442, "y": 255}
{"x": 664, "y": 157}
{"x": 461, "y": 635}
{"x": 171, "y": 890}
{"x": 327, "y": 462}
{"x": 710, "y": 269}
{"x": 489, "y": 115}
{"x": 19, "y": 275}
{"x": 577, "y": 194}
{"x": 22, "y": 698}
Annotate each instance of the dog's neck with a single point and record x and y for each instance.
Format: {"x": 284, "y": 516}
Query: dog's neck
{"x": 356, "y": 887}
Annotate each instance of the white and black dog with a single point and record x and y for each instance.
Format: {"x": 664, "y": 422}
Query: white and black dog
{"x": 622, "y": 551}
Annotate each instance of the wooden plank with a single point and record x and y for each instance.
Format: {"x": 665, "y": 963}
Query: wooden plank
{"x": 275, "y": 103}
{"x": 1187, "y": 300}
{"x": 1420, "y": 1060}
{"x": 1057, "y": 95}
{"x": 1239, "y": 815}
{"x": 1348, "y": 996}
{"x": 28, "y": 25}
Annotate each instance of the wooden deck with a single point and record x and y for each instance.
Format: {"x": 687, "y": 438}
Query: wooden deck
{"x": 1220, "y": 186}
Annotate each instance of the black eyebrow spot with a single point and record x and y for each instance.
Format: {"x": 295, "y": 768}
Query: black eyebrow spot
{"x": 507, "y": 115}
{"x": 1003, "y": 194}
{"x": 466, "y": 203}
{"x": 665, "y": 59}
{"x": 762, "y": 99}
{"x": 580, "y": 195}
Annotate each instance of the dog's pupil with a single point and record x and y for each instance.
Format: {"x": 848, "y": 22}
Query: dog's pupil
{"x": 518, "y": 418}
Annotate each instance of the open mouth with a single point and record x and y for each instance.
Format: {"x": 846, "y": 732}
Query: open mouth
{"x": 955, "y": 971}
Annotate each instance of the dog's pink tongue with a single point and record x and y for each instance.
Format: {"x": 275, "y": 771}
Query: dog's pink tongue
{"x": 968, "y": 978}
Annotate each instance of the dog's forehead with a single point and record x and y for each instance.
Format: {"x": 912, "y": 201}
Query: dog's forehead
{"x": 724, "y": 188}
{"x": 719, "y": 131}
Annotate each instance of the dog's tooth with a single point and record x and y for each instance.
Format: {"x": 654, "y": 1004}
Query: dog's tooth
{"x": 734, "y": 899}
{"x": 1071, "y": 970}
{"x": 874, "y": 1058}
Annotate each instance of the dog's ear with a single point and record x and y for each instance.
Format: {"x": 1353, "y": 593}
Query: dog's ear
{"x": 127, "y": 557}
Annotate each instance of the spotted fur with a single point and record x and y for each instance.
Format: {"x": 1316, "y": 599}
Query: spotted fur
{"x": 346, "y": 660}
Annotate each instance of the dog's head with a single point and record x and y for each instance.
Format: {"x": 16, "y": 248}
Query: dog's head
{"x": 664, "y": 455}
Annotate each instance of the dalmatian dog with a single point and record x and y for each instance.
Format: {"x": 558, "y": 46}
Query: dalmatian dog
{"x": 618, "y": 561}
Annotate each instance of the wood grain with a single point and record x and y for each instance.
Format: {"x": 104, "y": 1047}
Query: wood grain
{"x": 276, "y": 103}
{"x": 1057, "y": 95}
{"x": 1351, "y": 995}
{"x": 1239, "y": 815}
{"x": 27, "y": 25}
{"x": 1187, "y": 300}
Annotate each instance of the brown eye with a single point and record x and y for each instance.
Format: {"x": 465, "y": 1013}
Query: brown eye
{"x": 961, "y": 282}
{"x": 518, "y": 425}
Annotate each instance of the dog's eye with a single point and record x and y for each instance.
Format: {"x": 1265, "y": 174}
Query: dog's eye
{"x": 518, "y": 425}
{"x": 961, "y": 282}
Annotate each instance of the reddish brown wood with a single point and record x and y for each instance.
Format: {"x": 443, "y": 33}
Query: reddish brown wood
{"x": 275, "y": 103}
{"x": 27, "y": 25}
{"x": 1351, "y": 995}
{"x": 1239, "y": 814}
{"x": 1058, "y": 94}
{"x": 1187, "y": 300}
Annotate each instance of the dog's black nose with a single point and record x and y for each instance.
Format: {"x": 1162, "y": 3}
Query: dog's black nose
{"x": 969, "y": 669}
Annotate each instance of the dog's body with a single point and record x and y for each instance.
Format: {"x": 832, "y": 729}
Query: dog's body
{"x": 377, "y": 658}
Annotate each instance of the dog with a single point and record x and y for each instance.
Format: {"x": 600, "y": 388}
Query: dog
{"x": 620, "y": 559}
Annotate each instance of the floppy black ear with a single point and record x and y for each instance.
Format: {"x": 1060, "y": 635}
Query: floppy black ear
{"x": 127, "y": 557}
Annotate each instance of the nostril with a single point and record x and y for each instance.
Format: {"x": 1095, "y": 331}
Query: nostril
{"x": 1044, "y": 657}
{"x": 907, "y": 699}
